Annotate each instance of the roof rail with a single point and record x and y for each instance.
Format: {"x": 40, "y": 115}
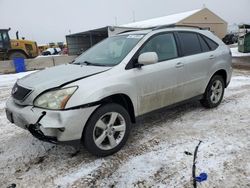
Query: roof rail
{"x": 174, "y": 25}
{"x": 129, "y": 31}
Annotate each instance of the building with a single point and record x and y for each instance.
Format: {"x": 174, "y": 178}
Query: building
{"x": 79, "y": 42}
{"x": 204, "y": 18}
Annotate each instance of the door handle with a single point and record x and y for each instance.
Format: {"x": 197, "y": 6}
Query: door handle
{"x": 211, "y": 57}
{"x": 179, "y": 65}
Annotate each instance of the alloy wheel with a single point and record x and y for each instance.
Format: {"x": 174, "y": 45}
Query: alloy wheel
{"x": 109, "y": 130}
{"x": 216, "y": 91}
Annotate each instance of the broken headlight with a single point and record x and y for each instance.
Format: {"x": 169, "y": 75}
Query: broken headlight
{"x": 55, "y": 99}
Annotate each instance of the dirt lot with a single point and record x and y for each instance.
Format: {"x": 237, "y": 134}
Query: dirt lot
{"x": 154, "y": 155}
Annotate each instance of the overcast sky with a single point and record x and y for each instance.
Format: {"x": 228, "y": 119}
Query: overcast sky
{"x": 50, "y": 20}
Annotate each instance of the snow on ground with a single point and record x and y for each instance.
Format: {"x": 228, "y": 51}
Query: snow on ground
{"x": 6, "y": 82}
{"x": 48, "y": 56}
{"x": 154, "y": 154}
{"x": 236, "y": 53}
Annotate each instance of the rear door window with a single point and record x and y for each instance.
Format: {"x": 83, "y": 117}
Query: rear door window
{"x": 190, "y": 43}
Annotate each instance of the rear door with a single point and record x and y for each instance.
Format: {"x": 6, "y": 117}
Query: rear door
{"x": 198, "y": 57}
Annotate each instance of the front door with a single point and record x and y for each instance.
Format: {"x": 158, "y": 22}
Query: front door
{"x": 156, "y": 83}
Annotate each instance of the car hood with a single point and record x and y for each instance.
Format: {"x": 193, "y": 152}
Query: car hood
{"x": 59, "y": 75}
{"x": 56, "y": 76}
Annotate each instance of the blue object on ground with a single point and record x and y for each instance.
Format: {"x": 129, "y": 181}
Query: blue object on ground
{"x": 19, "y": 64}
{"x": 201, "y": 177}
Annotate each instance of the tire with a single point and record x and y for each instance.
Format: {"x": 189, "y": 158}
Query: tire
{"x": 107, "y": 130}
{"x": 214, "y": 92}
{"x": 17, "y": 55}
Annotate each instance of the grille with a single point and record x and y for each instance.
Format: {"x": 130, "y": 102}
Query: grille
{"x": 19, "y": 92}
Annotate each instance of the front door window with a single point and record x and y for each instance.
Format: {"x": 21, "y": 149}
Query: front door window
{"x": 164, "y": 45}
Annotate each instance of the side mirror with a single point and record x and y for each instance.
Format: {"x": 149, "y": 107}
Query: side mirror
{"x": 148, "y": 58}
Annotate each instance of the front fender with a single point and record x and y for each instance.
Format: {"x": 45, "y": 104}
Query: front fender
{"x": 93, "y": 95}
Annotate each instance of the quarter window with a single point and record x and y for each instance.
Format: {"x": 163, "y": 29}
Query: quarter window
{"x": 164, "y": 45}
{"x": 213, "y": 45}
{"x": 190, "y": 43}
{"x": 204, "y": 45}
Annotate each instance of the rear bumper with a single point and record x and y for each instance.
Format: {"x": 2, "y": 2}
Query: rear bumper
{"x": 55, "y": 126}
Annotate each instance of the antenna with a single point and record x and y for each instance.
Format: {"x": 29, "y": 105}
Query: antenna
{"x": 115, "y": 20}
{"x": 204, "y": 5}
{"x": 133, "y": 12}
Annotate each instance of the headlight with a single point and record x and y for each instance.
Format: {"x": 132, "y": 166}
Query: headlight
{"x": 55, "y": 99}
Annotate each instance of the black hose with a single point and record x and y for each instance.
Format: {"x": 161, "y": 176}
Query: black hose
{"x": 194, "y": 165}
{"x": 40, "y": 118}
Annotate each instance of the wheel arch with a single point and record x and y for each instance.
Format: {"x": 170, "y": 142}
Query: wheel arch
{"x": 222, "y": 73}
{"x": 17, "y": 50}
{"x": 122, "y": 99}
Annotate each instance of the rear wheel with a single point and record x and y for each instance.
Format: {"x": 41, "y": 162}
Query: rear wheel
{"x": 14, "y": 55}
{"x": 107, "y": 130}
{"x": 214, "y": 92}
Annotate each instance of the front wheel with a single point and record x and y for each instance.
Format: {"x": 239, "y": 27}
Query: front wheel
{"x": 214, "y": 92}
{"x": 107, "y": 130}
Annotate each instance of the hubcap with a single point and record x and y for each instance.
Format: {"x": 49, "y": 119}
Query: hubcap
{"x": 109, "y": 130}
{"x": 216, "y": 91}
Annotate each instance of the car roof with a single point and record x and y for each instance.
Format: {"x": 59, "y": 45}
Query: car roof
{"x": 205, "y": 32}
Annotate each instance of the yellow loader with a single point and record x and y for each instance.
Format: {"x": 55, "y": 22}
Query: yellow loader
{"x": 15, "y": 48}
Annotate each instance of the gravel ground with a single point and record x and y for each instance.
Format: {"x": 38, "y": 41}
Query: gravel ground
{"x": 153, "y": 156}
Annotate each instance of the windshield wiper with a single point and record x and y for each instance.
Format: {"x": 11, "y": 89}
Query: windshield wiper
{"x": 72, "y": 62}
{"x": 89, "y": 63}
{"x": 80, "y": 63}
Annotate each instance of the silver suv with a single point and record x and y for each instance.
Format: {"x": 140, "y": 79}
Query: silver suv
{"x": 96, "y": 98}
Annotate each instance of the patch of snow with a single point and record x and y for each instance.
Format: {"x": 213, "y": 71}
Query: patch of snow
{"x": 8, "y": 80}
{"x": 47, "y": 56}
{"x": 236, "y": 53}
{"x": 2, "y": 105}
{"x": 68, "y": 179}
{"x": 239, "y": 81}
{"x": 144, "y": 166}
{"x": 223, "y": 155}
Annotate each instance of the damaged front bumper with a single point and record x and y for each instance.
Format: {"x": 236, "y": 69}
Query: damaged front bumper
{"x": 55, "y": 126}
{"x": 36, "y": 132}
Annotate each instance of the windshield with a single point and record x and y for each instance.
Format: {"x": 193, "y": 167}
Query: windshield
{"x": 109, "y": 52}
